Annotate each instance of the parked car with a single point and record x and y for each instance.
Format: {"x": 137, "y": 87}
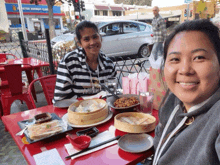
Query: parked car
{"x": 120, "y": 38}
{"x": 124, "y": 37}
{"x": 61, "y": 39}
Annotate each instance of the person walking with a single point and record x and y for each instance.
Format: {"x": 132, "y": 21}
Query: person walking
{"x": 159, "y": 32}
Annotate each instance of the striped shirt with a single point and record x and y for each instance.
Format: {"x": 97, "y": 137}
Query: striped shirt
{"x": 159, "y": 29}
{"x": 76, "y": 78}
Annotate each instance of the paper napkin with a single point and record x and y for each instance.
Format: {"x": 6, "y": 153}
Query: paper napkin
{"x": 96, "y": 140}
{"x": 49, "y": 157}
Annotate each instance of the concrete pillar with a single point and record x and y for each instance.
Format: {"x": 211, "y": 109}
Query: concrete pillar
{"x": 3, "y": 17}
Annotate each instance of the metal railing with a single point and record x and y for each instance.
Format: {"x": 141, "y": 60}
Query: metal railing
{"x": 124, "y": 65}
{"x": 11, "y": 48}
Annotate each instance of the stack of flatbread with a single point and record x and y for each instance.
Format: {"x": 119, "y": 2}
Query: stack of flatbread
{"x": 38, "y": 131}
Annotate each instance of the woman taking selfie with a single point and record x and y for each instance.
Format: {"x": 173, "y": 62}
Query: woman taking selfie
{"x": 188, "y": 132}
{"x": 81, "y": 71}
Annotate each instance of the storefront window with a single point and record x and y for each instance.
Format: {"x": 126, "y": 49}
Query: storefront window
{"x": 97, "y": 12}
{"x": 105, "y": 13}
{"x": 56, "y": 23}
{"x": 116, "y": 13}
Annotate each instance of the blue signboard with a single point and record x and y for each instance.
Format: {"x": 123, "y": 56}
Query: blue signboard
{"x": 187, "y": 1}
{"x": 31, "y": 8}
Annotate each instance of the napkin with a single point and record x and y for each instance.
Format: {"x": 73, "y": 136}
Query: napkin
{"x": 102, "y": 93}
{"x": 49, "y": 157}
{"x": 96, "y": 140}
{"x": 72, "y": 150}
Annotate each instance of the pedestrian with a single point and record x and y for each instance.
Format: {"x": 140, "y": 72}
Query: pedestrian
{"x": 159, "y": 34}
{"x": 81, "y": 71}
{"x": 188, "y": 131}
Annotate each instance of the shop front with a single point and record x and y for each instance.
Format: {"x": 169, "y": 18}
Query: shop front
{"x": 36, "y": 17}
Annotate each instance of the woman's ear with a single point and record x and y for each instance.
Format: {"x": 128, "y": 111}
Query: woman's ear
{"x": 77, "y": 42}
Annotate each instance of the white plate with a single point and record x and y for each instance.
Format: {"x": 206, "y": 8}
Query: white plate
{"x": 65, "y": 119}
{"x": 64, "y": 103}
{"x": 135, "y": 143}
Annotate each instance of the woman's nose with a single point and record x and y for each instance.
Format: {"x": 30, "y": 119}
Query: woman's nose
{"x": 186, "y": 68}
{"x": 92, "y": 41}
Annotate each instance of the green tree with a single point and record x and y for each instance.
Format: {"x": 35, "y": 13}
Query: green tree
{"x": 50, "y": 4}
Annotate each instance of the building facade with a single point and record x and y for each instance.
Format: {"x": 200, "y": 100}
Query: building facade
{"x": 136, "y": 2}
{"x": 35, "y": 16}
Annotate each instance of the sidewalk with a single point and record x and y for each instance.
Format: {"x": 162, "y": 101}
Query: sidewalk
{"x": 9, "y": 152}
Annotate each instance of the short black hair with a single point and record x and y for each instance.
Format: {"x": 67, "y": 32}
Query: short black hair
{"x": 82, "y": 25}
{"x": 202, "y": 25}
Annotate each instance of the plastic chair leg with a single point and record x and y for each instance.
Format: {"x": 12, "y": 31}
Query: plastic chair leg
{"x": 6, "y": 105}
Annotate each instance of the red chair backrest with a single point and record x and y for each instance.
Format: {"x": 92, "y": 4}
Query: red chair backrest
{"x": 48, "y": 84}
{"x": 13, "y": 75}
{"x": 3, "y": 57}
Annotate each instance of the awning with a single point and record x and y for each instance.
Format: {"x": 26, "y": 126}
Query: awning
{"x": 129, "y": 8}
{"x": 101, "y": 7}
{"x": 116, "y": 8}
{"x": 17, "y": 13}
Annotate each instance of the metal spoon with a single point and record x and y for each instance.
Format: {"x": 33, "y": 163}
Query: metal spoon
{"x": 22, "y": 131}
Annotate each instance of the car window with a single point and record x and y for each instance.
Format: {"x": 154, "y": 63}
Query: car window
{"x": 130, "y": 27}
{"x": 148, "y": 28}
{"x": 111, "y": 29}
{"x": 142, "y": 27}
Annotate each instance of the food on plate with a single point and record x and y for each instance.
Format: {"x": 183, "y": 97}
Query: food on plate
{"x": 43, "y": 117}
{"x": 126, "y": 102}
{"x": 38, "y": 131}
{"x": 135, "y": 120}
{"x": 86, "y": 112}
{"x": 89, "y": 106}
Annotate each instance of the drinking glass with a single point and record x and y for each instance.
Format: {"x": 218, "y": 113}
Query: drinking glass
{"x": 146, "y": 102}
{"x": 111, "y": 83}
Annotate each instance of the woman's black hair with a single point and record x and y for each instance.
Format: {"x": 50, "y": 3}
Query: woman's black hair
{"x": 202, "y": 25}
{"x": 82, "y": 25}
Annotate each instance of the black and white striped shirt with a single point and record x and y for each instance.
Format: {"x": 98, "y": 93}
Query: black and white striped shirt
{"x": 76, "y": 78}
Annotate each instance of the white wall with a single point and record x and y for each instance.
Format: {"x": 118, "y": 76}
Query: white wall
{"x": 3, "y": 17}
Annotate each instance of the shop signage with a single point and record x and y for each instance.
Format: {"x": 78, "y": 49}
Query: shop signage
{"x": 31, "y": 8}
{"x": 174, "y": 19}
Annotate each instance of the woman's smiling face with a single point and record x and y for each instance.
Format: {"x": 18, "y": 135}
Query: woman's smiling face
{"x": 90, "y": 41}
{"x": 192, "y": 70}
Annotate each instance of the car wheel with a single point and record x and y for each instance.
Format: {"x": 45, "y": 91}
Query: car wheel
{"x": 144, "y": 51}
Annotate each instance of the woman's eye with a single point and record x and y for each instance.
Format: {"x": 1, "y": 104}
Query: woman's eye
{"x": 174, "y": 59}
{"x": 96, "y": 36}
{"x": 86, "y": 39}
{"x": 199, "y": 58}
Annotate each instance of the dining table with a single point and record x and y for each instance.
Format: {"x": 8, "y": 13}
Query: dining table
{"x": 110, "y": 155}
{"x": 28, "y": 65}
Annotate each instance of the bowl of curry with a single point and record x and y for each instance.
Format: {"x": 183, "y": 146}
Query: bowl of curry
{"x": 125, "y": 102}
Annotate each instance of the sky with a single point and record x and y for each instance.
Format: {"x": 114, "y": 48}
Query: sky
{"x": 165, "y": 3}
{"x": 161, "y": 3}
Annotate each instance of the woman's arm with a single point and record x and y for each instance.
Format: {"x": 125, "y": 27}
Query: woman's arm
{"x": 63, "y": 88}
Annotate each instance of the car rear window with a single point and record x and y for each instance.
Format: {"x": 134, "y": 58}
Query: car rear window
{"x": 130, "y": 27}
{"x": 142, "y": 27}
{"x": 149, "y": 28}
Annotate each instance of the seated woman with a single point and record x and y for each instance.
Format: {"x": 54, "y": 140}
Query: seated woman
{"x": 189, "y": 127}
{"x": 81, "y": 71}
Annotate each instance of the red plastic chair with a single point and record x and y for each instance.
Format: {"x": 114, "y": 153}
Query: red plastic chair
{"x": 48, "y": 85}
{"x": 13, "y": 74}
{"x": 4, "y": 57}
